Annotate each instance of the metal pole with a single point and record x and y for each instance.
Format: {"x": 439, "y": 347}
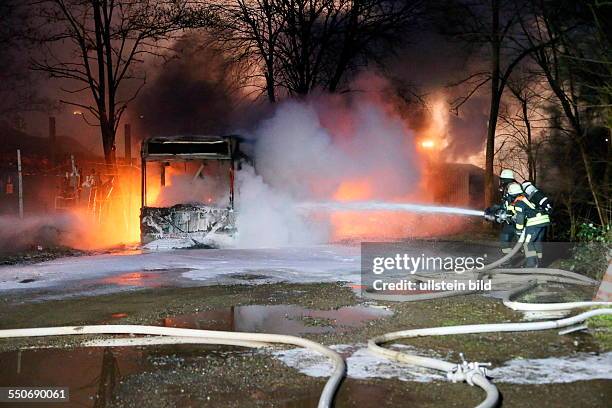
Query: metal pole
{"x": 143, "y": 183}
{"x": 20, "y": 181}
{"x": 128, "y": 143}
{"x": 52, "y": 138}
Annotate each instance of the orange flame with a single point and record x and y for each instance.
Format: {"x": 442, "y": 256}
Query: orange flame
{"x": 353, "y": 190}
{"x": 111, "y": 219}
{"x": 363, "y": 225}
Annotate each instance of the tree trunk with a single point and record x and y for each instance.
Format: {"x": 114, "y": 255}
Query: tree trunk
{"x": 531, "y": 168}
{"x": 593, "y": 187}
{"x": 572, "y": 219}
{"x": 270, "y": 86}
{"x": 108, "y": 143}
{"x": 580, "y": 134}
{"x": 495, "y": 102}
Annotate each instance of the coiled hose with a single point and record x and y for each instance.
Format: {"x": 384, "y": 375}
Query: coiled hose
{"x": 498, "y": 275}
{"x": 474, "y": 373}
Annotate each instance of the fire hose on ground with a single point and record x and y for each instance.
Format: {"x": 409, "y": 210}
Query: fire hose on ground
{"x": 498, "y": 275}
{"x": 194, "y": 336}
{"x": 544, "y": 307}
{"x": 474, "y": 373}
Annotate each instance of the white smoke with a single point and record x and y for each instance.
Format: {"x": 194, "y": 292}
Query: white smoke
{"x": 45, "y": 231}
{"x": 18, "y": 234}
{"x": 299, "y": 159}
{"x": 185, "y": 188}
{"x": 269, "y": 218}
{"x": 297, "y": 154}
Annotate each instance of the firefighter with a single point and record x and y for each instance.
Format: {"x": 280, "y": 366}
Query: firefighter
{"x": 543, "y": 205}
{"x": 502, "y": 213}
{"x": 533, "y": 221}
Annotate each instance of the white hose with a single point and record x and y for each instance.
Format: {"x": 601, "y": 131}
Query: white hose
{"x": 501, "y": 275}
{"x": 199, "y": 336}
{"x": 435, "y": 295}
{"x": 473, "y": 373}
{"x": 163, "y": 340}
{"x": 544, "y": 307}
{"x": 470, "y": 372}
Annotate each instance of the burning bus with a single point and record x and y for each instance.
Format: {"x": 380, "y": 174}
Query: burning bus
{"x": 188, "y": 186}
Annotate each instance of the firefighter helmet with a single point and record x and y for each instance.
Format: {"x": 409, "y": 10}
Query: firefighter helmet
{"x": 514, "y": 189}
{"x": 506, "y": 174}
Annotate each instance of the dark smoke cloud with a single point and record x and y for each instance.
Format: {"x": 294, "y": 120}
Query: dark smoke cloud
{"x": 193, "y": 93}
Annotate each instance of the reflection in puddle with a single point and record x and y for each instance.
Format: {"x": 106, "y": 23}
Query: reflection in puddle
{"x": 94, "y": 375}
{"x": 134, "y": 279}
{"x": 278, "y": 319}
{"x": 144, "y": 279}
{"x": 154, "y": 278}
{"x": 90, "y": 374}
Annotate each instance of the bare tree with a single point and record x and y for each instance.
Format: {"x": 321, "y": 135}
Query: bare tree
{"x": 310, "y": 28}
{"x": 298, "y": 46}
{"x": 248, "y": 32}
{"x": 491, "y": 26}
{"x": 96, "y": 46}
{"x": 325, "y": 40}
{"x": 542, "y": 22}
{"x": 522, "y": 122}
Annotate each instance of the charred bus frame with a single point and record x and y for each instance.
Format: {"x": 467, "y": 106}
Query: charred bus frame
{"x": 188, "y": 219}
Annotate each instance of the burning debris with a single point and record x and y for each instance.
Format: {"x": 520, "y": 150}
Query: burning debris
{"x": 191, "y": 188}
{"x": 185, "y": 221}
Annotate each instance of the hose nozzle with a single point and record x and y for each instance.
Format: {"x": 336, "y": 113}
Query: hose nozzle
{"x": 465, "y": 371}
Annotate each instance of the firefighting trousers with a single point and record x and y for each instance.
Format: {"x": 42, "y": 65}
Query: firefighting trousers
{"x": 507, "y": 237}
{"x": 532, "y": 247}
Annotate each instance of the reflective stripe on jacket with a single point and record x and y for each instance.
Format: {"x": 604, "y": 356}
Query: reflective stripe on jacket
{"x": 527, "y": 214}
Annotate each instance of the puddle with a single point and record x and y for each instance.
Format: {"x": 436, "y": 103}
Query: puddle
{"x": 142, "y": 279}
{"x": 154, "y": 278}
{"x": 553, "y": 293}
{"x": 279, "y": 319}
{"x": 91, "y": 373}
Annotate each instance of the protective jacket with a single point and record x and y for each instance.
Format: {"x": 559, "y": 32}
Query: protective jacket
{"x": 527, "y": 214}
{"x": 501, "y": 213}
